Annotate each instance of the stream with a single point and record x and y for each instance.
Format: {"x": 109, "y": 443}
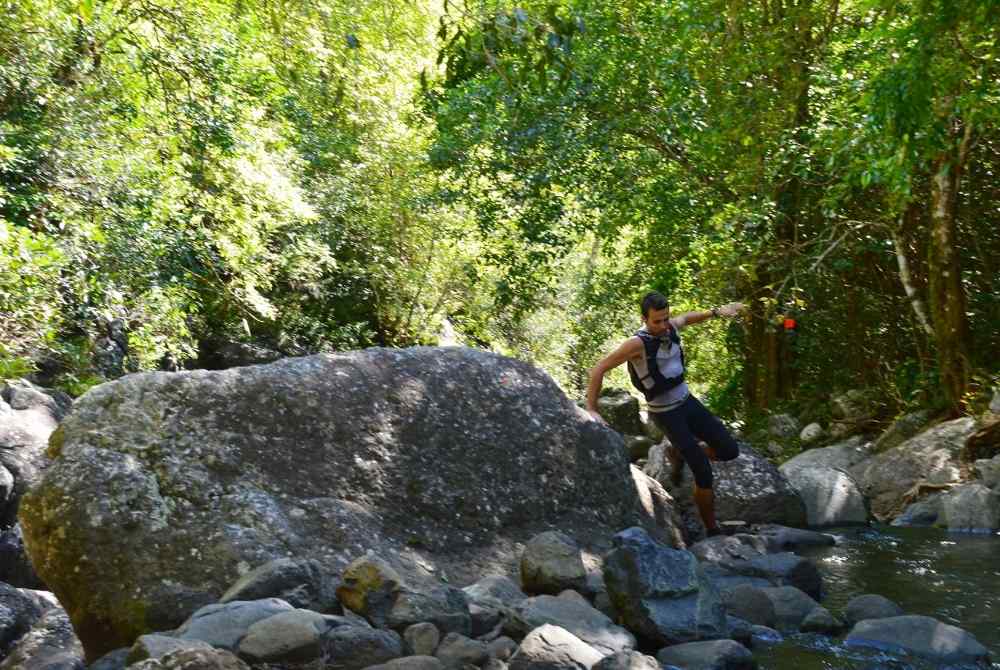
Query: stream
{"x": 952, "y": 577}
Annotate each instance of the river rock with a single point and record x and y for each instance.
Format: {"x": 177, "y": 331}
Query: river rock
{"x": 870, "y": 606}
{"x": 494, "y": 590}
{"x": 300, "y": 583}
{"x": 15, "y": 565}
{"x": 831, "y": 496}
{"x": 791, "y": 607}
{"x": 750, "y": 603}
{"x": 410, "y": 663}
{"x": 921, "y": 636}
{"x": 664, "y": 522}
{"x": 851, "y": 411}
{"x": 33, "y": 414}
{"x": 650, "y": 429}
{"x": 811, "y": 433}
{"x": 638, "y": 447}
{"x": 988, "y": 471}
{"x": 783, "y": 426}
{"x": 621, "y": 410}
{"x": 49, "y": 644}
{"x": 819, "y": 620}
{"x": 18, "y": 613}
{"x": 580, "y": 619}
{"x": 708, "y": 655}
{"x": 662, "y": 593}
{"x": 924, "y": 512}
{"x": 357, "y": 647}
{"x": 287, "y": 637}
{"x": 444, "y": 606}
{"x": 224, "y": 625}
{"x": 489, "y": 599}
{"x": 550, "y": 647}
{"x": 113, "y": 660}
{"x": 902, "y": 429}
{"x": 627, "y": 660}
{"x": 551, "y": 562}
{"x": 971, "y": 507}
{"x": 422, "y": 638}
{"x": 456, "y": 651}
{"x": 890, "y": 479}
{"x": 777, "y": 538}
{"x": 166, "y": 486}
{"x": 156, "y": 645}
{"x": 502, "y": 648}
{"x": 843, "y": 455}
{"x": 193, "y": 659}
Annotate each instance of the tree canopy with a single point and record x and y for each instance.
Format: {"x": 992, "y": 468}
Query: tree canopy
{"x": 317, "y": 176}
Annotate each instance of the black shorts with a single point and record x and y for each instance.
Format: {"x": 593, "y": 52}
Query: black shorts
{"x": 685, "y": 425}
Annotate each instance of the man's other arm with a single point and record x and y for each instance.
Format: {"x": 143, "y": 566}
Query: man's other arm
{"x": 730, "y": 310}
{"x": 630, "y": 348}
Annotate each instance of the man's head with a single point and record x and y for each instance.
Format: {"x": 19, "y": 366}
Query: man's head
{"x": 655, "y": 313}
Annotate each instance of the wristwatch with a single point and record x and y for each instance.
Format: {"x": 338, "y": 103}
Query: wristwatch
{"x": 715, "y": 311}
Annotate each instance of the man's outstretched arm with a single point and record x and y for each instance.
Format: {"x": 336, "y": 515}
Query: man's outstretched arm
{"x": 730, "y": 310}
{"x": 630, "y": 348}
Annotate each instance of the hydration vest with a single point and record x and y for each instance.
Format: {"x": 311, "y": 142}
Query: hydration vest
{"x": 654, "y": 383}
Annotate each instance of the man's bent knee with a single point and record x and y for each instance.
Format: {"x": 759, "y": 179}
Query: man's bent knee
{"x": 727, "y": 451}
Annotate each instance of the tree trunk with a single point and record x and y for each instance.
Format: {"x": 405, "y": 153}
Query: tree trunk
{"x": 946, "y": 293}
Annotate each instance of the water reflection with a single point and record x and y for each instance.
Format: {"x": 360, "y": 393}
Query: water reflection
{"x": 927, "y": 571}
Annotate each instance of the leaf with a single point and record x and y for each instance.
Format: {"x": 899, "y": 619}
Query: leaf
{"x": 86, "y": 10}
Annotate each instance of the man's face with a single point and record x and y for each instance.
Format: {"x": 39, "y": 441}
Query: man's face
{"x": 657, "y": 321}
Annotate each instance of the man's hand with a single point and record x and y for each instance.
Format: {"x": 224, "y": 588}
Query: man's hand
{"x": 732, "y": 309}
{"x": 596, "y": 416}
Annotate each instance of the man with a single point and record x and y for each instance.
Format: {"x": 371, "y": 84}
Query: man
{"x": 656, "y": 365}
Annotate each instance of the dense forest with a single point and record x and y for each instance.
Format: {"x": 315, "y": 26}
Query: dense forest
{"x": 322, "y": 175}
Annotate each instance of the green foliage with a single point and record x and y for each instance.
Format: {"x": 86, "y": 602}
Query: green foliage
{"x": 317, "y": 177}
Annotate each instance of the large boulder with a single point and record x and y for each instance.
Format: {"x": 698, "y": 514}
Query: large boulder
{"x": 843, "y": 455}
{"x": 831, "y": 496}
{"x": 893, "y": 479}
{"x": 750, "y": 488}
{"x": 661, "y": 593}
{"x": 165, "y": 487}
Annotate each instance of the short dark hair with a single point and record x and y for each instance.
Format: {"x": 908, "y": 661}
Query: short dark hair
{"x": 653, "y": 300}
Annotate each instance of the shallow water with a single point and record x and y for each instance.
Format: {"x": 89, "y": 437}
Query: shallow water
{"x": 952, "y": 577}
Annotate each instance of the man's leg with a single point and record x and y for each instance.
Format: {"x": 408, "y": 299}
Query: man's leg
{"x": 675, "y": 424}
{"x": 721, "y": 446}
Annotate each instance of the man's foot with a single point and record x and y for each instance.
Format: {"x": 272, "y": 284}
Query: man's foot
{"x": 676, "y": 465}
